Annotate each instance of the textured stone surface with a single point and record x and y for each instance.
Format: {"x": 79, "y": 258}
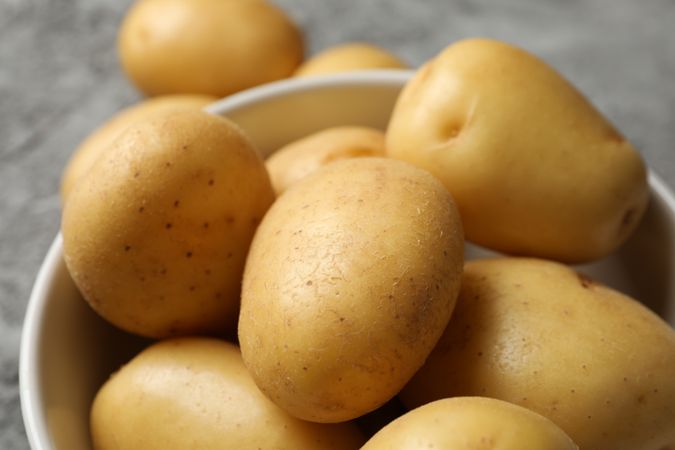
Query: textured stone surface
{"x": 59, "y": 78}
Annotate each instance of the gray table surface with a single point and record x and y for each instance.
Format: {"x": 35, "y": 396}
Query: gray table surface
{"x": 60, "y": 78}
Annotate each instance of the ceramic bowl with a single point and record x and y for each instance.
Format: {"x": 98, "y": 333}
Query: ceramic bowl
{"x": 67, "y": 351}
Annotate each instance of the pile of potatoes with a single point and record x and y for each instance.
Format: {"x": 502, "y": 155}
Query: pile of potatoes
{"x": 218, "y": 47}
{"x": 320, "y": 299}
{"x": 184, "y": 55}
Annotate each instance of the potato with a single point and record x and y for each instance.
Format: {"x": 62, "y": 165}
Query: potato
{"x": 470, "y": 423}
{"x": 298, "y": 159}
{"x": 156, "y": 233}
{"x": 214, "y": 47}
{"x": 350, "y": 280}
{"x": 349, "y": 57}
{"x": 100, "y": 139}
{"x": 195, "y": 393}
{"x": 532, "y": 332}
{"x": 535, "y": 169}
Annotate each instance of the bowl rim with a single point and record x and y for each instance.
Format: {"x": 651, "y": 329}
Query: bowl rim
{"x": 30, "y": 389}
{"x": 269, "y": 91}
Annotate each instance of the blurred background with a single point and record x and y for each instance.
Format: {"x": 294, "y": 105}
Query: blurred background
{"x": 60, "y": 78}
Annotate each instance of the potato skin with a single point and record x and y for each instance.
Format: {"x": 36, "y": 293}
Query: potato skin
{"x": 535, "y": 169}
{"x": 196, "y": 393}
{"x": 298, "y": 159}
{"x": 535, "y": 333}
{"x": 350, "y": 280}
{"x": 100, "y": 139}
{"x": 214, "y": 47}
{"x": 470, "y": 423}
{"x": 155, "y": 235}
{"x": 349, "y": 57}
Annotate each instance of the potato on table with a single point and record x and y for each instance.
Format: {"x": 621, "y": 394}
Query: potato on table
{"x": 214, "y": 47}
{"x": 470, "y": 423}
{"x": 155, "y": 235}
{"x": 535, "y": 169}
{"x": 298, "y": 159}
{"x": 195, "y": 393}
{"x": 600, "y": 365}
{"x": 350, "y": 280}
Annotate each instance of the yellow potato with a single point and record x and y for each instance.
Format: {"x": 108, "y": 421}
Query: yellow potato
{"x": 532, "y": 332}
{"x": 300, "y": 158}
{"x": 349, "y": 57}
{"x": 535, "y": 169}
{"x": 350, "y": 280}
{"x": 100, "y": 139}
{"x": 155, "y": 235}
{"x": 470, "y": 423}
{"x": 214, "y": 47}
{"x": 195, "y": 393}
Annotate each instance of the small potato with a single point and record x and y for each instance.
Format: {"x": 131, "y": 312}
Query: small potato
{"x": 97, "y": 142}
{"x": 214, "y": 47}
{"x": 535, "y": 169}
{"x": 195, "y": 393}
{"x": 349, "y": 57}
{"x": 350, "y": 280}
{"x": 470, "y": 423}
{"x": 298, "y": 159}
{"x": 598, "y": 364}
{"x": 155, "y": 235}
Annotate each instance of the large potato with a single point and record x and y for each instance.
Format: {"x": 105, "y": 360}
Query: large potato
{"x": 100, "y": 139}
{"x": 298, "y": 159}
{"x": 350, "y": 280}
{"x": 155, "y": 235}
{"x": 195, "y": 393}
{"x": 535, "y": 169}
{"x": 214, "y": 47}
{"x": 536, "y": 333}
{"x": 470, "y": 423}
{"x": 349, "y": 57}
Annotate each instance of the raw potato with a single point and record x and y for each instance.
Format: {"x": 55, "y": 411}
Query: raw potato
{"x": 535, "y": 169}
{"x": 349, "y": 57}
{"x": 350, "y": 280}
{"x": 535, "y": 333}
{"x": 195, "y": 393}
{"x": 155, "y": 235}
{"x": 214, "y": 47}
{"x": 470, "y": 423}
{"x": 300, "y": 158}
{"x": 98, "y": 141}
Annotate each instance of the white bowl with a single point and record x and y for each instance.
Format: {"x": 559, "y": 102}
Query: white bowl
{"x": 67, "y": 351}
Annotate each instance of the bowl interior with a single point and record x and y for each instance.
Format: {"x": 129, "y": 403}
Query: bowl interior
{"x": 68, "y": 351}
